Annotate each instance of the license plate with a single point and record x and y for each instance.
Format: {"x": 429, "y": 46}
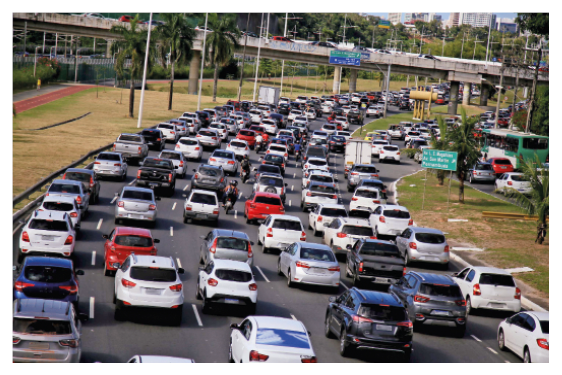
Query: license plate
{"x": 381, "y": 280}
{"x": 208, "y": 181}
{"x": 153, "y": 184}
{"x": 230, "y": 300}
{"x": 504, "y": 167}
{"x": 318, "y": 271}
{"x": 492, "y": 304}
{"x": 382, "y": 327}
{"x": 48, "y": 238}
{"x": 152, "y": 291}
{"x": 201, "y": 216}
{"x": 440, "y": 312}
{"x": 39, "y": 345}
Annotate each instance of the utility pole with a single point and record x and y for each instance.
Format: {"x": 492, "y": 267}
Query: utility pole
{"x": 387, "y": 90}
{"x": 533, "y": 92}
{"x": 443, "y": 49}
{"x": 243, "y": 57}
{"x": 283, "y": 64}
{"x": 500, "y": 87}
{"x": 56, "y": 43}
{"x": 258, "y": 63}
{"x": 141, "y": 105}
{"x": 44, "y": 35}
{"x": 202, "y": 62}
{"x": 25, "y": 37}
{"x": 462, "y": 46}
{"x": 515, "y": 93}
{"x": 488, "y": 47}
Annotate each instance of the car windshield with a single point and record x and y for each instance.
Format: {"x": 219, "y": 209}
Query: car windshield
{"x": 484, "y": 167}
{"x": 317, "y": 162}
{"x": 157, "y": 163}
{"x": 365, "y": 169}
{"x": 152, "y": 274}
{"x": 544, "y": 326}
{"x": 373, "y": 194}
{"x": 138, "y": 195}
{"x": 495, "y": 279}
{"x": 357, "y": 230}
{"x": 130, "y": 138}
{"x": 396, "y": 214}
{"x": 41, "y": 327}
{"x": 519, "y": 177}
{"x": 65, "y": 189}
{"x": 268, "y": 200}
{"x": 270, "y": 181}
{"x": 188, "y": 142}
{"x": 281, "y": 337}
{"x": 233, "y": 275}
{"x": 223, "y": 154}
{"x": 379, "y": 312}
{"x": 77, "y": 176}
{"x": 430, "y": 238}
{"x": 287, "y": 224}
{"x": 380, "y": 249}
{"x": 48, "y": 274}
{"x": 317, "y": 254}
{"x": 133, "y": 241}
{"x": 323, "y": 189}
{"x": 110, "y": 157}
{"x": 440, "y": 290}
{"x": 274, "y": 158}
{"x": 211, "y": 172}
{"x": 371, "y": 184}
{"x": 321, "y": 178}
{"x": 333, "y": 212}
{"x": 232, "y": 243}
{"x": 58, "y": 206}
{"x": 171, "y": 155}
{"x": 52, "y": 225}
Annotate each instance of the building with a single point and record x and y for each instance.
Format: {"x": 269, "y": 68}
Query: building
{"x": 437, "y": 17}
{"x": 506, "y": 25}
{"x": 477, "y": 19}
{"x": 412, "y": 17}
{"x": 395, "y": 18}
{"x": 453, "y": 20}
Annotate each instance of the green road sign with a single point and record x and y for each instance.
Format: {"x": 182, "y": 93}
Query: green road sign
{"x": 346, "y": 54}
{"x": 437, "y": 159}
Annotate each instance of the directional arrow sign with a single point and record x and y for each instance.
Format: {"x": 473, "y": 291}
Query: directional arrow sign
{"x": 438, "y": 159}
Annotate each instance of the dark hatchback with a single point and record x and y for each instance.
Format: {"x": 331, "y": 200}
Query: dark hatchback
{"x": 276, "y": 160}
{"x": 369, "y": 320}
{"x": 205, "y": 118}
{"x": 267, "y": 168}
{"x": 336, "y": 143}
{"x": 284, "y": 108}
{"x": 154, "y": 139}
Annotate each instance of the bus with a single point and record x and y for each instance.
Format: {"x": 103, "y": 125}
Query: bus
{"x": 514, "y": 145}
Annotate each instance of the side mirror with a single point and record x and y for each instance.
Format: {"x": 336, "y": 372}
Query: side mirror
{"x": 106, "y": 236}
{"x": 348, "y": 247}
{"x": 332, "y": 299}
{"x": 234, "y": 326}
{"x": 79, "y": 272}
{"x": 252, "y": 243}
{"x": 202, "y": 237}
{"x": 157, "y": 198}
{"x": 83, "y": 317}
{"x": 195, "y": 170}
{"x": 15, "y": 268}
{"x": 118, "y": 266}
{"x": 508, "y": 320}
{"x": 181, "y": 270}
{"x": 156, "y": 240}
{"x": 310, "y": 334}
{"x": 201, "y": 268}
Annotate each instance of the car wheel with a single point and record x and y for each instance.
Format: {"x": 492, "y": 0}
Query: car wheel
{"x": 185, "y": 219}
{"x": 106, "y": 272}
{"x": 327, "y": 332}
{"x": 526, "y": 356}
{"x": 469, "y": 308}
{"x": 407, "y": 260}
{"x": 21, "y": 257}
{"x": 114, "y": 297}
{"x": 252, "y": 309}
{"x": 501, "y": 341}
{"x": 230, "y": 359}
{"x": 197, "y": 290}
{"x": 316, "y": 233}
{"x": 349, "y": 189}
{"x": 117, "y": 221}
{"x": 303, "y": 207}
{"x": 259, "y": 242}
{"x": 119, "y": 314}
{"x": 344, "y": 348}
{"x": 290, "y": 282}
{"x": 470, "y": 179}
{"x": 206, "y": 303}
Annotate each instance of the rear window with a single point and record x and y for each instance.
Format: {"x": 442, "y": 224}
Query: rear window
{"x": 110, "y": 157}
{"x": 321, "y": 178}
{"x": 372, "y": 184}
{"x": 317, "y": 254}
{"x": 237, "y": 144}
{"x": 152, "y": 274}
{"x": 338, "y": 139}
{"x": 380, "y": 249}
{"x": 133, "y": 241}
{"x": 164, "y": 126}
{"x": 248, "y": 133}
{"x": 77, "y": 176}
{"x": 232, "y": 243}
{"x": 281, "y": 337}
{"x": 269, "y": 169}
{"x": 223, "y": 154}
{"x": 157, "y": 163}
{"x": 268, "y": 200}
{"x": 440, "y": 290}
{"x": 274, "y": 158}
{"x": 329, "y": 127}
{"x": 390, "y": 148}
{"x": 493, "y": 279}
{"x": 139, "y": 195}
{"x": 207, "y": 133}
{"x": 64, "y": 188}
{"x": 484, "y": 167}
{"x": 47, "y": 274}
{"x": 396, "y": 214}
{"x": 317, "y": 162}
{"x": 377, "y": 142}
{"x": 535, "y": 143}
{"x": 367, "y": 194}
{"x": 58, "y": 206}
{"x": 365, "y": 169}
{"x": 378, "y": 312}
{"x": 287, "y": 224}
{"x": 266, "y": 180}
{"x": 277, "y": 148}
{"x": 323, "y": 189}
{"x": 356, "y": 230}
{"x": 234, "y": 275}
{"x": 130, "y": 138}
{"x": 54, "y": 225}
{"x": 502, "y": 162}
{"x": 170, "y": 155}
{"x": 41, "y": 327}
{"x": 209, "y": 172}
{"x": 188, "y": 142}
{"x": 204, "y": 199}
{"x": 430, "y": 238}
{"x": 151, "y": 133}
{"x": 333, "y": 212}
{"x": 544, "y": 326}
{"x": 519, "y": 177}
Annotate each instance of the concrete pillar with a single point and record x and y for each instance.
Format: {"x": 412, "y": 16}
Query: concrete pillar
{"x": 108, "y": 54}
{"x": 484, "y": 95}
{"x": 466, "y": 94}
{"x": 194, "y": 73}
{"x": 453, "y": 98}
{"x": 353, "y": 81}
{"x": 337, "y": 79}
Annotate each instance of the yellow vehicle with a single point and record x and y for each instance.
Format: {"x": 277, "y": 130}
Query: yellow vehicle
{"x": 370, "y": 135}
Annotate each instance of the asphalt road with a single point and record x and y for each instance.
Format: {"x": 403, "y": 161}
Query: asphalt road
{"x": 205, "y": 337}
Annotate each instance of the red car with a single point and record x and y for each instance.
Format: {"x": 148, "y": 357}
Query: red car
{"x": 501, "y": 165}
{"x": 248, "y": 136}
{"x": 126, "y": 18}
{"x": 260, "y": 205}
{"x": 122, "y": 242}
{"x": 282, "y": 39}
{"x": 260, "y": 130}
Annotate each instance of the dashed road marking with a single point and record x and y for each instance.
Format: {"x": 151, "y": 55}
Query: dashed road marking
{"x": 289, "y": 203}
{"x": 492, "y": 350}
{"x": 171, "y": 231}
{"x": 235, "y": 214}
{"x": 292, "y": 187}
{"x": 179, "y": 262}
{"x": 295, "y": 175}
{"x": 93, "y": 258}
{"x": 114, "y": 198}
{"x": 261, "y": 272}
{"x": 99, "y": 224}
{"x": 475, "y": 338}
{"x": 345, "y": 286}
{"x": 132, "y": 182}
{"x": 92, "y": 303}
{"x": 240, "y": 196}
{"x": 294, "y": 318}
{"x": 197, "y": 315}
{"x": 185, "y": 188}
{"x": 174, "y": 206}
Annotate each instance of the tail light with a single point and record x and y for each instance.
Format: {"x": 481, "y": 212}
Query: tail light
{"x": 128, "y": 284}
{"x": 138, "y": 174}
{"x": 91, "y": 182}
{"x": 474, "y": 173}
{"x": 374, "y": 175}
{"x": 303, "y": 236}
{"x": 411, "y": 222}
{"x": 283, "y": 165}
{"x": 196, "y": 175}
{"x": 269, "y": 232}
{"x": 422, "y": 299}
{"x": 181, "y": 163}
{"x": 25, "y": 237}
{"x": 231, "y": 162}
{"x": 113, "y": 148}
{"x": 334, "y": 269}
{"x": 341, "y": 235}
{"x": 120, "y": 204}
{"x": 16, "y": 340}
{"x": 543, "y": 343}
{"x": 197, "y": 148}
{"x": 71, "y": 343}
{"x": 404, "y": 271}
{"x": 302, "y": 265}
{"x": 308, "y": 359}
{"x": 212, "y": 282}
{"x": 517, "y": 293}
{"x": 360, "y": 319}
{"x": 214, "y": 138}
{"x": 460, "y": 302}
{"x": 446, "y": 249}
{"x": 72, "y": 289}
{"x": 355, "y": 174}
{"x": 170, "y": 177}
{"x": 213, "y": 248}
{"x": 97, "y": 162}
{"x": 476, "y": 290}
{"x": 407, "y": 324}
{"x": 69, "y": 240}
{"x": 140, "y": 150}
{"x": 376, "y": 201}
{"x": 309, "y": 194}
{"x": 361, "y": 267}
{"x": 198, "y": 136}
{"x": 255, "y": 356}
{"x": 73, "y": 214}
{"x": 286, "y": 155}
{"x": 381, "y": 152}
{"x": 398, "y": 153}
{"x": 79, "y": 199}
{"x": 320, "y": 218}
{"x": 216, "y": 211}
{"x": 152, "y": 207}
{"x": 382, "y": 219}
{"x": 178, "y": 145}
{"x": 20, "y": 285}
{"x": 117, "y": 165}
{"x": 176, "y": 287}
{"x": 354, "y": 199}
{"x": 188, "y": 208}
{"x": 250, "y": 253}
{"x": 222, "y": 180}
{"x": 509, "y": 183}
{"x": 158, "y": 139}
{"x": 170, "y": 133}
{"x": 253, "y": 287}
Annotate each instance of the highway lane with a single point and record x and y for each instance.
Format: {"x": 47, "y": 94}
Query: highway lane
{"x": 107, "y": 340}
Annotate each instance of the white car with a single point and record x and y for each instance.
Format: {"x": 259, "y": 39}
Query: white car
{"x": 169, "y": 132}
{"x": 301, "y": 120}
{"x": 227, "y": 282}
{"x": 344, "y": 100}
{"x": 181, "y": 125}
{"x": 318, "y": 163}
{"x": 326, "y": 108}
{"x": 343, "y": 231}
{"x": 63, "y": 204}
{"x": 180, "y": 164}
{"x": 148, "y": 281}
{"x": 47, "y": 233}
{"x": 391, "y": 220}
{"x": 324, "y": 213}
{"x": 224, "y": 159}
{"x": 301, "y": 99}
{"x": 190, "y": 148}
{"x": 319, "y": 134}
{"x": 418, "y": 156}
{"x": 366, "y": 196}
{"x": 373, "y": 111}
{"x": 342, "y": 120}
{"x": 377, "y": 145}
{"x": 270, "y": 126}
{"x": 195, "y": 117}
{"x": 73, "y": 189}
{"x": 389, "y": 153}
{"x": 329, "y": 129}
{"x": 410, "y": 135}
{"x": 527, "y": 335}
{"x": 346, "y": 109}
{"x": 346, "y": 135}
{"x": 309, "y": 263}
{"x": 239, "y": 147}
{"x": 279, "y": 231}
{"x": 310, "y": 114}
{"x": 201, "y": 205}
{"x": 231, "y": 124}
{"x": 270, "y": 339}
{"x": 318, "y": 193}
{"x": 270, "y": 183}
{"x": 190, "y": 124}
{"x": 278, "y": 149}
{"x": 221, "y": 129}
{"x": 294, "y": 114}
{"x": 209, "y": 138}
{"x": 489, "y": 288}
{"x": 515, "y": 181}
{"x": 158, "y": 359}
{"x": 240, "y": 122}
{"x": 284, "y": 99}
{"x": 287, "y": 133}
{"x": 316, "y": 175}
{"x": 265, "y": 110}
{"x": 256, "y": 116}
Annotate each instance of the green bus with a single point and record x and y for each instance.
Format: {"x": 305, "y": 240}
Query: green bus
{"x": 514, "y": 145}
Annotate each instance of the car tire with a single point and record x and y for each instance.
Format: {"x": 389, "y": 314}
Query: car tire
{"x": 470, "y": 179}
{"x": 469, "y": 308}
{"x": 327, "y": 332}
{"x": 279, "y": 271}
{"x": 21, "y": 257}
{"x": 206, "y": 304}
{"x": 114, "y": 297}
{"x": 349, "y": 189}
{"x": 303, "y": 207}
{"x": 106, "y": 272}
{"x": 197, "y": 291}
{"x": 119, "y": 314}
{"x": 344, "y": 348}
{"x": 407, "y": 356}
{"x": 290, "y": 282}
{"x": 501, "y": 341}
{"x": 117, "y": 221}
{"x": 230, "y": 358}
{"x": 407, "y": 260}
{"x": 184, "y": 219}
{"x": 460, "y": 331}
{"x": 445, "y": 266}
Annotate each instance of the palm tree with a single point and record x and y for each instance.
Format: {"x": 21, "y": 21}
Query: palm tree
{"x": 221, "y": 44}
{"x": 177, "y": 37}
{"x": 536, "y": 203}
{"x": 132, "y": 45}
{"x": 461, "y": 139}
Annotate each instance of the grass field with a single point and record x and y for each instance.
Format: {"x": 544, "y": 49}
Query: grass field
{"x": 507, "y": 243}
{"x": 36, "y": 154}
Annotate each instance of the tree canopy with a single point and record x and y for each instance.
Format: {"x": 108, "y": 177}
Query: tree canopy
{"x": 536, "y": 23}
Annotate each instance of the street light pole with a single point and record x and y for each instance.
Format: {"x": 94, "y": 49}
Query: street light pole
{"x": 243, "y": 58}
{"x": 502, "y": 68}
{"x": 202, "y": 63}
{"x": 488, "y": 47}
{"x": 258, "y": 63}
{"x": 141, "y": 105}
{"x": 35, "y": 63}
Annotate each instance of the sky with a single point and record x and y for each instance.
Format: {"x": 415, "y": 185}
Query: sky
{"x": 445, "y": 16}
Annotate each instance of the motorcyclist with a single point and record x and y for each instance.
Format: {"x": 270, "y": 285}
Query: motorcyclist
{"x": 259, "y": 140}
{"x": 231, "y": 191}
{"x": 245, "y": 165}
{"x": 297, "y": 150}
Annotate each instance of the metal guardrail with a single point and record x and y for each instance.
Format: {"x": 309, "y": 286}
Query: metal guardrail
{"x": 505, "y": 215}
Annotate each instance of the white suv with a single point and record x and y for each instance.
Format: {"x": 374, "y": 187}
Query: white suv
{"x": 324, "y": 214}
{"x": 389, "y": 153}
{"x": 343, "y": 231}
{"x": 366, "y": 196}
{"x": 316, "y": 175}
{"x": 190, "y": 148}
{"x": 148, "y": 281}
{"x": 169, "y": 132}
{"x": 239, "y": 147}
{"x": 377, "y": 145}
{"x": 318, "y": 193}
{"x": 227, "y": 282}
{"x": 279, "y": 231}
{"x": 391, "y": 220}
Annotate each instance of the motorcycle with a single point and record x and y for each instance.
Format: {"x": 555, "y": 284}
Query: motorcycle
{"x": 297, "y": 155}
{"x": 258, "y": 147}
{"x": 228, "y": 205}
{"x": 244, "y": 175}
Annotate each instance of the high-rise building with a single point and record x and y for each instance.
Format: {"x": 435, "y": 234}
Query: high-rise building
{"x": 506, "y": 25}
{"x": 417, "y": 17}
{"x": 452, "y": 21}
{"x": 395, "y": 18}
{"x": 477, "y": 19}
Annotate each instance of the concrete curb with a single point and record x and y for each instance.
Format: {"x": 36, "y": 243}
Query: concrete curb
{"x": 64, "y": 122}
{"x": 393, "y": 186}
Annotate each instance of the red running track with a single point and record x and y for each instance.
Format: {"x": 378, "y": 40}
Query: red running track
{"x": 24, "y": 105}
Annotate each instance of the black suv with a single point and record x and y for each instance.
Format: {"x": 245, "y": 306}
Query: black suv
{"x": 356, "y": 116}
{"x": 284, "y": 109}
{"x": 365, "y": 319}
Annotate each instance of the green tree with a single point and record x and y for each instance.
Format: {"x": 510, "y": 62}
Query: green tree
{"x": 540, "y": 117}
{"x": 176, "y": 36}
{"x": 221, "y": 43}
{"x": 537, "y": 23}
{"x": 132, "y": 45}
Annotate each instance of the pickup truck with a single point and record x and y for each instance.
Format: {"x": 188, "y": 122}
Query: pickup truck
{"x": 375, "y": 261}
{"x": 157, "y": 173}
{"x": 131, "y": 146}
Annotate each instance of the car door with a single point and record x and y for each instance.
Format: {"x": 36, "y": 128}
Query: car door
{"x": 284, "y": 255}
{"x": 402, "y": 241}
{"x": 329, "y": 231}
{"x": 204, "y": 276}
{"x": 337, "y": 312}
{"x": 205, "y": 247}
{"x": 463, "y": 283}
{"x": 524, "y": 328}
{"x": 312, "y": 216}
{"x": 238, "y": 340}
{"x": 263, "y": 227}
{"x": 513, "y": 330}
{"x": 121, "y": 271}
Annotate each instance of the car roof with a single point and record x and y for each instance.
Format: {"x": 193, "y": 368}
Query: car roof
{"x": 353, "y": 221}
{"x": 48, "y": 261}
{"x": 135, "y": 188}
{"x": 275, "y": 322}
{"x": 133, "y": 231}
{"x": 81, "y": 170}
{"x": 376, "y": 297}
{"x": 273, "y": 175}
{"x": 34, "y": 307}
{"x": 232, "y": 265}
{"x": 63, "y": 198}
{"x": 434, "y": 278}
{"x": 153, "y": 261}
{"x": 364, "y": 165}
{"x": 53, "y": 215}
{"x": 264, "y": 194}
{"x": 425, "y": 230}
{"x": 209, "y": 166}
{"x": 540, "y": 315}
{"x": 331, "y": 205}
{"x": 370, "y": 188}
{"x": 67, "y": 182}
{"x": 393, "y": 207}
{"x": 494, "y": 270}
{"x": 231, "y": 233}
{"x": 286, "y": 217}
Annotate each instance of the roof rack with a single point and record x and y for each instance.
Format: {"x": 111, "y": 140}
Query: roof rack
{"x": 415, "y": 273}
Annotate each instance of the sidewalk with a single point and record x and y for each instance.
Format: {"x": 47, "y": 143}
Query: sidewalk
{"x": 35, "y": 98}
{"x": 33, "y": 93}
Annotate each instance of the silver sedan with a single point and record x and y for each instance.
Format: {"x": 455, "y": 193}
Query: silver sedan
{"x": 136, "y": 203}
{"x": 226, "y": 160}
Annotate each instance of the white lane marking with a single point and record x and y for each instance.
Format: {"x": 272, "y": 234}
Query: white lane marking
{"x": 93, "y": 258}
{"x": 345, "y": 286}
{"x": 240, "y": 196}
{"x": 289, "y": 203}
{"x": 132, "y": 182}
{"x": 174, "y": 206}
{"x": 99, "y": 224}
{"x": 179, "y": 262}
{"x": 506, "y": 361}
{"x": 92, "y": 303}
{"x": 235, "y": 214}
{"x": 294, "y": 174}
{"x": 114, "y": 198}
{"x": 171, "y": 231}
{"x": 294, "y": 318}
{"x": 292, "y": 187}
{"x": 475, "y": 338}
{"x": 197, "y": 315}
{"x": 185, "y": 188}
{"x": 261, "y": 272}
{"x": 492, "y": 350}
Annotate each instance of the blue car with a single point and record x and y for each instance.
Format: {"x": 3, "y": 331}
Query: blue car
{"x": 48, "y": 278}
